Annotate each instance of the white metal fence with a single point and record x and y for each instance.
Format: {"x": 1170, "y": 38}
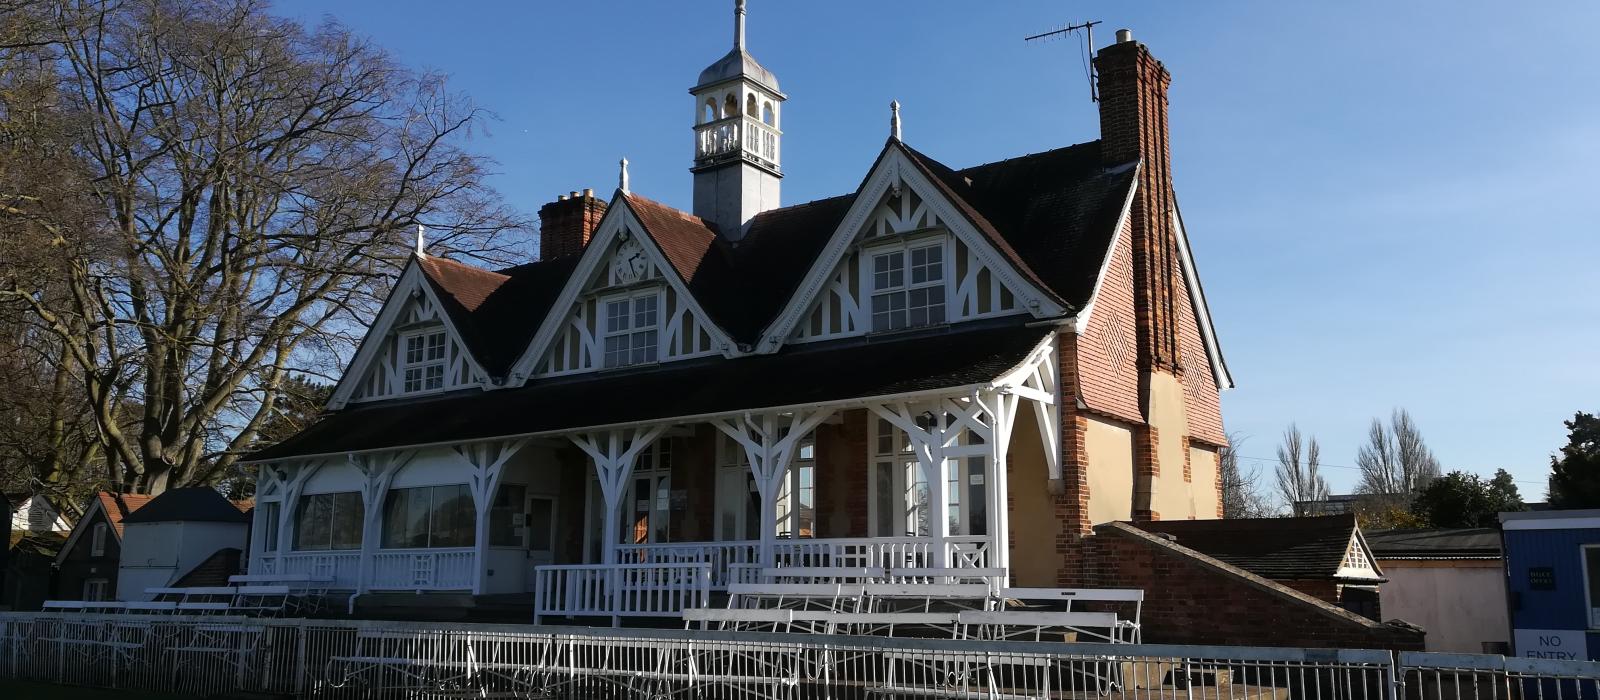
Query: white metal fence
{"x": 199, "y": 656}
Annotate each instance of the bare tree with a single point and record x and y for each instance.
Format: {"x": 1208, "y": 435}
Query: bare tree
{"x": 1395, "y": 463}
{"x": 1241, "y": 491}
{"x": 1298, "y": 481}
{"x": 236, "y": 190}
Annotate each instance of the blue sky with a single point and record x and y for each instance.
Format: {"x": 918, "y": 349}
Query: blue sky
{"x": 1390, "y": 203}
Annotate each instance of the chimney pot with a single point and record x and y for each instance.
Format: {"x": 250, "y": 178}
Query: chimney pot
{"x": 573, "y": 194}
{"x": 588, "y": 191}
{"x": 561, "y": 198}
{"x": 1124, "y": 36}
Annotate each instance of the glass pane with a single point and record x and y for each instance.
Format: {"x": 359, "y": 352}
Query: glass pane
{"x": 884, "y": 508}
{"x": 436, "y": 346}
{"x": 312, "y": 520}
{"x": 977, "y": 493}
{"x": 269, "y": 541}
{"x": 348, "y": 514}
{"x": 453, "y": 517}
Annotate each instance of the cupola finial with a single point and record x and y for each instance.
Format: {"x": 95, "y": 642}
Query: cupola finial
{"x": 421, "y": 230}
{"x": 622, "y": 176}
{"x": 894, "y": 120}
{"x": 738, "y": 24}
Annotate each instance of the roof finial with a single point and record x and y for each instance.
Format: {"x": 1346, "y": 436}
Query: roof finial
{"x": 622, "y": 176}
{"x": 421, "y": 230}
{"x": 738, "y": 25}
{"x": 894, "y": 120}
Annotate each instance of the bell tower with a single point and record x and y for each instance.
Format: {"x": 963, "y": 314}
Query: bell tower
{"x": 737, "y": 138}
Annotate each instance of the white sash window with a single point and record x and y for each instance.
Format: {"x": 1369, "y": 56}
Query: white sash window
{"x": 423, "y": 360}
{"x": 632, "y": 330}
{"x": 908, "y": 287}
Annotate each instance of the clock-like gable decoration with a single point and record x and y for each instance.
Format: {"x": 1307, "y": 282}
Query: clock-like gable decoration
{"x": 629, "y": 264}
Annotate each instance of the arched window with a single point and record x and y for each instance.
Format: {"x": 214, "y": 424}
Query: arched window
{"x": 709, "y": 112}
{"x": 750, "y": 107}
{"x": 730, "y": 107}
{"x": 768, "y": 117}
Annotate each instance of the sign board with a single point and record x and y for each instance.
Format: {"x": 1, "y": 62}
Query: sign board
{"x": 1541, "y": 578}
{"x": 1552, "y": 644}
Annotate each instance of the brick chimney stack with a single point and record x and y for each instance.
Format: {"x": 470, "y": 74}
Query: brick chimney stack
{"x": 566, "y": 224}
{"x": 1133, "y": 126}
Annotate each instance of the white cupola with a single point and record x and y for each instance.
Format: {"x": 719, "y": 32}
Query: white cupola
{"x": 737, "y": 138}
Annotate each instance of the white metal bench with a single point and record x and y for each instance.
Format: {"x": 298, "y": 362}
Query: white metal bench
{"x": 824, "y": 574}
{"x": 883, "y": 597}
{"x": 1128, "y": 630}
{"x": 838, "y": 597}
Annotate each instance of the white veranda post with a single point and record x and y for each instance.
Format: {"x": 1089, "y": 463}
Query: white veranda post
{"x": 379, "y": 470}
{"x": 935, "y": 439}
{"x": 1034, "y": 381}
{"x": 487, "y": 462}
{"x": 770, "y": 441}
{"x": 614, "y": 453}
{"x": 1001, "y": 407}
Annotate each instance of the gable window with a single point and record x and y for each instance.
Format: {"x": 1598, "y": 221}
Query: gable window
{"x": 632, "y": 330}
{"x": 97, "y": 546}
{"x": 908, "y": 287}
{"x": 423, "y": 360}
{"x": 329, "y": 521}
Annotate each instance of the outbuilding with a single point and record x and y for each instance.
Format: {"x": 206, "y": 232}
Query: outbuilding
{"x": 175, "y": 533}
{"x": 1553, "y": 583}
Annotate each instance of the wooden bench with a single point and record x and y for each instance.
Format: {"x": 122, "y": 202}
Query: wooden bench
{"x": 1128, "y": 630}
{"x": 829, "y": 574}
{"x": 840, "y": 597}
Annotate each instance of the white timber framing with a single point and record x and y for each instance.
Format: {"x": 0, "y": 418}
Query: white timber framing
{"x": 1038, "y": 379}
{"x": 486, "y": 462}
{"x": 614, "y": 453}
{"x": 769, "y": 441}
{"x": 412, "y": 282}
{"x": 894, "y": 169}
{"x": 292, "y": 480}
{"x": 378, "y": 472}
{"x": 618, "y": 220}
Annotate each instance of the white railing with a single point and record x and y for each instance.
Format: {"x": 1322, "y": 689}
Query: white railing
{"x": 344, "y": 567}
{"x": 332, "y": 659}
{"x": 620, "y": 590}
{"x": 736, "y": 134}
{"x": 723, "y": 557}
{"x": 426, "y": 569}
{"x": 740, "y": 562}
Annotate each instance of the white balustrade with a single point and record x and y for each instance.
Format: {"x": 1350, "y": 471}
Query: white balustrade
{"x": 344, "y": 567}
{"x": 729, "y": 136}
{"x": 620, "y": 590}
{"x": 722, "y": 556}
{"x": 426, "y": 569}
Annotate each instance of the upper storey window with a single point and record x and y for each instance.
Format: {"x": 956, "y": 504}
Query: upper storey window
{"x": 908, "y": 287}
{"x": 424, "y": 360}
{"x": 632, "y": 332}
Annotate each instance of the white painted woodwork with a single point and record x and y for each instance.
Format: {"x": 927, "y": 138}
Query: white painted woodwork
{"x": 579, "y": 345}
{"x": 901, "y": 219}
{"x": 770, "y": 442}
{"x": 384, "y": 376}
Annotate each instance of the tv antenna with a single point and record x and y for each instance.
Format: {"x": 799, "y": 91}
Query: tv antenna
{"x": 1088, "y": 49}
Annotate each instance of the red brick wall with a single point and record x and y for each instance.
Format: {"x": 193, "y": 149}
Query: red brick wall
{"x": 1201, "y": 402}
{"x": 566, "y": 224}
{"x": 1107, "y": 354}
{"x": 1188, "y": 601}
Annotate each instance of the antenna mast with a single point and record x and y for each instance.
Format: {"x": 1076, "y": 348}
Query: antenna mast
{"x": 1088, "y": 28}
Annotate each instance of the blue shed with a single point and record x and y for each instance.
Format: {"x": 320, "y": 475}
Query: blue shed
{"x": 1553, "y": 583}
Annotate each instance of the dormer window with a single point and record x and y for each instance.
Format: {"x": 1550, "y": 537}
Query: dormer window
{"x": 907, "y": 287}
{"x": 423, "y": 360}
{"x": 632, "y": 330}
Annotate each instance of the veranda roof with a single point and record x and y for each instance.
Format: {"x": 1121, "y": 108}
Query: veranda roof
{"x": 818, "y": 373}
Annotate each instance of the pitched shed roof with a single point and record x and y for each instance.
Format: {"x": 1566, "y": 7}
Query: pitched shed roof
{"x": 118, "y": 506}
{"x": 192, "y": 504}
{"x": 798, "y": 375}
{"x": 1275, "y": 548}
{"x": 1435, "y": 543}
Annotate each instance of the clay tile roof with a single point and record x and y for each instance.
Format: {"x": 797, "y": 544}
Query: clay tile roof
{"x": 497, "y": 313}
{"x": 1274, "y": 548}
{"x": 120, "y": 505}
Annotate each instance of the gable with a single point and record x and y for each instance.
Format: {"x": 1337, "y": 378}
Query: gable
{"x": 411, "y": 349}
{"x": 94, "y": 514}
{"x": 625, "y": 305}
{"x": 899, "y": 208}
{"x": 1358, "y": 561}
